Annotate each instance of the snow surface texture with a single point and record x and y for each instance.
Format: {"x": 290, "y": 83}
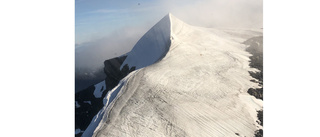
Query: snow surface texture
{"x": 198, "y": 89}
{"x": 107, "y": 101}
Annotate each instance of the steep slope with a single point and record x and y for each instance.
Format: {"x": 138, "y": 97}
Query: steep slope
{"x": 90, "y": 100}
{"x": 151, "y": 47}
{"x": 197, "y": 89}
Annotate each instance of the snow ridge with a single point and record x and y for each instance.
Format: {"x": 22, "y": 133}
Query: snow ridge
{"x": 152, "y": 46}
{"x": 197, "y": 89}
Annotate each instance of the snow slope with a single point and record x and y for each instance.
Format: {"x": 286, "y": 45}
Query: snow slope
{"x": 197, "y": 89}
{"x": 151, "y": 47}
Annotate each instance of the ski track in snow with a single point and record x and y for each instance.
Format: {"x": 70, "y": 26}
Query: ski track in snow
{"x": 198, "y": 89}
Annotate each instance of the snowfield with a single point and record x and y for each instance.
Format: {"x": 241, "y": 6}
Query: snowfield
{"x": 191, "y": 82}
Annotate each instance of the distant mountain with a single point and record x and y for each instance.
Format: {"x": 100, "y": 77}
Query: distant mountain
{"x": 178, "y": 80}
{"x": 87, "y": 77}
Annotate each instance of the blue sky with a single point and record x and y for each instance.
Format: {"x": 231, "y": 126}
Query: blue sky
{"x": 96, "y": 19}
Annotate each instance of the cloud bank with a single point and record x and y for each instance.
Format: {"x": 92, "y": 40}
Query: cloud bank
{"x": 220, "y": 13}
{"x": 205, "y": 13}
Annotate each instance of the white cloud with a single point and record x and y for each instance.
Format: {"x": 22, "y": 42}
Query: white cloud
{"x": 222, "y": 13}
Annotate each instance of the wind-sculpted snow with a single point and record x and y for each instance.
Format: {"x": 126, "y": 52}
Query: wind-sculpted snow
{"x": 151, "y": 47}
{"x": 198, "y": 89}
{"x": 108, "y": 102}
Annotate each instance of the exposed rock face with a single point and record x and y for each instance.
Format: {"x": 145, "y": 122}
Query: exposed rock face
{"x": 88, "y": 103}
{"x": 256, "y": 61}
{"x": 113, "y": 72}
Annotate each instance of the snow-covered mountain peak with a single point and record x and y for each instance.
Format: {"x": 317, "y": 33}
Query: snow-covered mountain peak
{"x": 192, "y": 81}
{"x": 154, "y": 45}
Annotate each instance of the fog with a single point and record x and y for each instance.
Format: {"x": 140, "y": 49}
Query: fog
{"x": 221, "y": 13}
{"x": 89, "y": 56}
{"x": 94, "y": 53}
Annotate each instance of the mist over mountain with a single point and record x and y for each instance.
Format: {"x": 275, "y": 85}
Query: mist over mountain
{"x": 89, "y": 56}
{"x": 178, "y": 80}
{"x": 106, "y": 33}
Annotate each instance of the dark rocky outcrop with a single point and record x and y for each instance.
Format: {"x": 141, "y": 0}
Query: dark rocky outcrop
{"x": 85, "y": 112}
{"x": 258, "y": 92}
{"x": 113, "y": 72}
{"x": 260, "y": 117}
{"x": 89, "y": 104}
{"x": 258, "y": 133}
{"x": 256, "y": 61}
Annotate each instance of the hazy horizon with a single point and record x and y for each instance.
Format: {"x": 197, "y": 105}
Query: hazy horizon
{"x": 107, "y": 29}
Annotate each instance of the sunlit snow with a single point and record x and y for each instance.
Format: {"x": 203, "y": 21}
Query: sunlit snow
{"x": 195, "y": 86}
